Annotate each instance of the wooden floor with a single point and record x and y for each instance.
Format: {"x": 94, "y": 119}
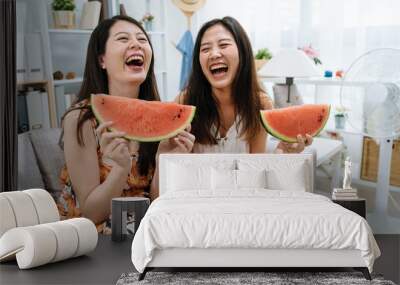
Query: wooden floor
{"x": 389, "y": 262}
{"x": 106, "y": 264}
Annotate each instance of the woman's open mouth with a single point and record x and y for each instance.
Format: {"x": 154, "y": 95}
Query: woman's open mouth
{"x": 219, "y": 70}
{"x": 135, "y": 63}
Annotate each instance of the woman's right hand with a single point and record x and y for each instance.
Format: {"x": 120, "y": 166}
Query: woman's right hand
{"x": 113, "y": 146}
{"x": 181, "y": 143}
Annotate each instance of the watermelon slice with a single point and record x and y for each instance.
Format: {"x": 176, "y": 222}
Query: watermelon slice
{"x": 144, "y": 121}
{"x": 286, "y": 123}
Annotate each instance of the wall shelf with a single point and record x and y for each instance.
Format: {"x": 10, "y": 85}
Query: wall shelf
{"x": 70, "y": 31}
{"x": 68, "y": 81}
{"x": 330, "y": 127}
{"x": 36, "y": 82}
{"x": 315, "y": 81}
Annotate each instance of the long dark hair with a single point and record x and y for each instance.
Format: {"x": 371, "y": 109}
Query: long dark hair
{"x": 95, "y": 81}
{"x": 245, "y": 88}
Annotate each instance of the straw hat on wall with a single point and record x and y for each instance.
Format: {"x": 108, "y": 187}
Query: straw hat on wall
{"x": 190, "y": 6}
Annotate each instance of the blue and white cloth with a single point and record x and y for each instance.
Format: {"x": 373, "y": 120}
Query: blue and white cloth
{"x": 185, "y": 46}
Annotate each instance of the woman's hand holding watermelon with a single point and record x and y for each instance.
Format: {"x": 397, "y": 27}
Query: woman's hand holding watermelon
{"x": 181, "y": 143}
{"x": 297, "y": 147}
{"x": 114, "y": 147}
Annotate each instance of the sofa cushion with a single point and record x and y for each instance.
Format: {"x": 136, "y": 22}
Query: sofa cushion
{"x": 50, "y": 157}
{"x": 29, "y": 175}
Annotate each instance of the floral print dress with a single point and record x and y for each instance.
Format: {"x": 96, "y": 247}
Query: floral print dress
{"x": 136, "y": 186}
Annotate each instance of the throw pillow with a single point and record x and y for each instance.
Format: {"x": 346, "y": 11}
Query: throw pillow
{"x": 251, "y": 178}
{"x": 184, "y": 177}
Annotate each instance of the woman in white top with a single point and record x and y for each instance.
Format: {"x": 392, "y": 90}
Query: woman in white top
{"x": 224, "y": 88}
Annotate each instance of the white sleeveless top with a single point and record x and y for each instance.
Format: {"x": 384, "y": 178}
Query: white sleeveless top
{"x": 231, "y": 143}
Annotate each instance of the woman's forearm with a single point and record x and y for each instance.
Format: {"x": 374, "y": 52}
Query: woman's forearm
{"x": 97, "y": 206}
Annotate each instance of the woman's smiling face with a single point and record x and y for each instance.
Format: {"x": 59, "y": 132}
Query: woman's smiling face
{"x": 128, "y": 53}
{"x": 219, "y": 57}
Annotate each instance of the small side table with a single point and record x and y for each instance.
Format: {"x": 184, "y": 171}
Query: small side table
{"x": 358, "y": 206}
{"x": 120, "y": 207}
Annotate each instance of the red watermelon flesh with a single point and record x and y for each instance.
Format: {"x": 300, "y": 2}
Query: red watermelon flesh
{"x": 141, "y": 120}
{"x": 286, "y": 123}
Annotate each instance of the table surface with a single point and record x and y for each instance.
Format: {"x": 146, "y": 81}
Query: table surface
{"x": 325, "y": 148}
{"x": 104, "y": 265}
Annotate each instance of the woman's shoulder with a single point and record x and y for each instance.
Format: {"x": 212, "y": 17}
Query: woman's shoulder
{"x": 72, "y": 118}
{"x": 76, "y": 110}
{"x": 265, "y": 100}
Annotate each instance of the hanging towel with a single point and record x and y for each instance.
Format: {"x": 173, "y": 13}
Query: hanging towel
{"x": 185, "y": 46}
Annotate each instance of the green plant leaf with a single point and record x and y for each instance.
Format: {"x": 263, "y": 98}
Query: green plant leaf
{"x": 63, "y": 5}
{"x": 263, "y": 53}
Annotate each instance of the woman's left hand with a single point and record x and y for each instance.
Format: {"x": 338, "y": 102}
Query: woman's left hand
{"x": 297, "y": 147}
{"x": 181, "y": 143}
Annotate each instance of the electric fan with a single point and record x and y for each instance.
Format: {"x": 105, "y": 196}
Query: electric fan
{"x": 370, "y": 91}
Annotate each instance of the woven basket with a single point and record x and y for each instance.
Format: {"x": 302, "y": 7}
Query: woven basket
{"x": 370, "y": 161}
{"x": 64, "y": 19}
{"x": 260, "y": 63}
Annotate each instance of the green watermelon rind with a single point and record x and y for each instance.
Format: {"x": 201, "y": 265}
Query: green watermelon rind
{"x": 284, "y": 138}
{"x": 147, "y": 139}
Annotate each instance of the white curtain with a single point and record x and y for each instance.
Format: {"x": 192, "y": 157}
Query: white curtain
{"x": 340, "y": 30}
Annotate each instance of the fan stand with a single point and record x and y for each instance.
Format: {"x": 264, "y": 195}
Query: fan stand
{"x": 383, "y": 179}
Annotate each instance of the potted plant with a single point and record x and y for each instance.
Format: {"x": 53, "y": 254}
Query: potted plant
{"x": 63, "y": 14}
{"x": 148, "y": 21}
{"x": 340, "y": 117}
{"x": 261, "y": 57}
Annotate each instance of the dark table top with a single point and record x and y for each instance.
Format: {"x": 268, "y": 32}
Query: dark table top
{"x": 104, "y": 265}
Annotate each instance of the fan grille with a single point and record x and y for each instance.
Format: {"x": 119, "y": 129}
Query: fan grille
{"x": 371, "y": 93}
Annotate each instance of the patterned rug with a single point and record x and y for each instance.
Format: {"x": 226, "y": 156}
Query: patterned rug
{"x": 243, "y": 278}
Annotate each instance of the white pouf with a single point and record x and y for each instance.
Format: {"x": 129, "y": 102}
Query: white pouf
{"x": 40, "y": 244}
